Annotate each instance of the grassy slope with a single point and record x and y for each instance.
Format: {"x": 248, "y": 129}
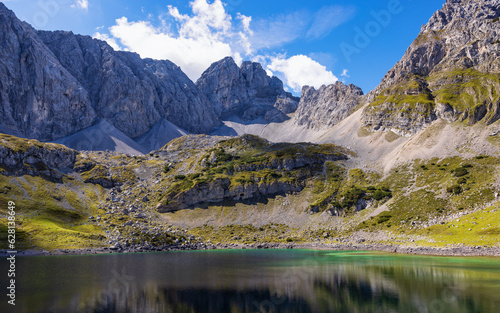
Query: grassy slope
{"x": 51, "y": 215}
{"x": 462, "y": 89}
{"x": 422, "y": 209}
{"x": 423, "y": 205}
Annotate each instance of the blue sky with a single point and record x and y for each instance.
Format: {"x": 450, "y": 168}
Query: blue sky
{"x": 302, "y": 42}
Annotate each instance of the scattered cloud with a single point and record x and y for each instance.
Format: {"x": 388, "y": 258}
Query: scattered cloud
{"x": 300, "y": 70}
{"x": 345, "y": 73}
{"x": 81, "y": 4}
{"x": 208, "y": 33}
{"x": 191, "y": 41}
{"x": 278, "y": 30}
{"x": 327, "y": 19}
{"x": 245, "y": 20}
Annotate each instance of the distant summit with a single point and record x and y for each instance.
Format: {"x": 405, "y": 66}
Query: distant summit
{"x": 246, "y": 92}
{"x": 327, "y": 106}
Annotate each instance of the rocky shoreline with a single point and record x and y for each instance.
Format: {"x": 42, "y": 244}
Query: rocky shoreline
{"x": 415, "y": 250}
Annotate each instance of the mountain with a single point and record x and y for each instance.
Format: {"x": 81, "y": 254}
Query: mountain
{"x": 246, "y": 92}
{"x": 54, "y": 84}
{"x": 451, "y": 71}
{"x": 58, "y": 86}
{"x": 416, "y": 165}
{"x": 327, "y": 106}
{"x": 39, "y": 98}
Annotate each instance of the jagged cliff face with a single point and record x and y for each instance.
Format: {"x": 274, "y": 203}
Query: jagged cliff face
{"x": 53, "y": 84}
{"x": 38, "y": 97}
{"x": 245, "y": 91}
{"x": 327, "y": 106}
{"x": 451, "y": 71}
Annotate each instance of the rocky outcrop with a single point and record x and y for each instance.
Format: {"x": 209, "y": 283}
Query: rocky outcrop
{"x": 30, "y": 157}
{"x": 229, "y": 173}
{"x": 451, "y": 71}
{"x": 245, "y": 91}
{"x": 327, "y": 106}
{"x": 53, "y": 84}
{"x": 220, "y": 189}
{"x": 38, "y": 97}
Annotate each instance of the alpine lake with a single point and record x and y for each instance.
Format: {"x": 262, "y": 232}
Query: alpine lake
{"x": 255, "y": 281}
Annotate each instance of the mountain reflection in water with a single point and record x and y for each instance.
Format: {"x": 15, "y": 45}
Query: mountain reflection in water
{"x": 257, "y": 281}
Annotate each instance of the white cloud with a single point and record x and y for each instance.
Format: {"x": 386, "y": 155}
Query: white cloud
{"x": 195, "y": 40}
{"x": 81, "y": 4}
{"x": 300, "y": 70}
{"x": 191, "y": 41}
{"x": 345, "y": 73}
{"x": 245, "y": 20}
{"x": 193, "y": 53}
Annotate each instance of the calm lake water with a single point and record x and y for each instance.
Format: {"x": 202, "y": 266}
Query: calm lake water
{"x": 255, "y": 281}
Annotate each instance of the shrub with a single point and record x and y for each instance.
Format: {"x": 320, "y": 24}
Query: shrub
{"x": 460, "y": 171}
{"x": 462, "y": 180}
{"x": 351, "y": 196}
{"x": 193, "y": 176}
{"x": 166, "y": 169}
{"x": 455, "y": 189}
{"x": 384, "y": 217}
{"x": 180, "y": 177}
{"x": 380, "y": 194}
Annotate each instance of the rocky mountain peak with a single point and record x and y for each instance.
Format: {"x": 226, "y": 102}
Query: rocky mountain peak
{"x": 327, "y": 106}
{"x": 38, "y": 98}
{"x": 54, "y": 84}
{"x": 447, "y": 72}
{"x": 246, "y": 91}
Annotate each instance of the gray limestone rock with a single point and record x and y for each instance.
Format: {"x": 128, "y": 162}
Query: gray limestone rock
{"x": 451, "y": 71}
{"x": 38, "y": 97}
{"x": 327, "y": 106}
{"x": 246, "y": 91}
{"x": 53, "y": 84}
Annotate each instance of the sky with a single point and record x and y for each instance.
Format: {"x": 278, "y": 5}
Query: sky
{"x": 302, "y": 42}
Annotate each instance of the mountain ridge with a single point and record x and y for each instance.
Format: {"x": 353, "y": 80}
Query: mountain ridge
{"x": 457, "y": 48}
{"x": 133, "y": 95}
{"x": 414, "y": 163}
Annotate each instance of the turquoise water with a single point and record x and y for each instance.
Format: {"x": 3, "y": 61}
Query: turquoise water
{"x": 255, "y": 281}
